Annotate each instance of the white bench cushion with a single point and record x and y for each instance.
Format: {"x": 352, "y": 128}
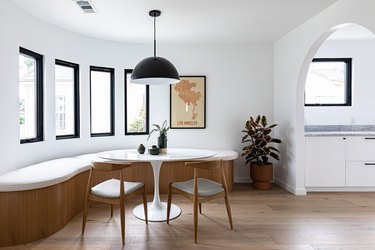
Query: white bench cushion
{"x": 90, "y": 157}
{"x": 205, "y": 187}
{"x": 43, "y": 174}
{"x": 111, "y": 188}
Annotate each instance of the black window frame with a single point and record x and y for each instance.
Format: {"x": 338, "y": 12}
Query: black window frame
{"x": 38, "y": 95}
{"x": 348, "y": 83}
{"x": 112, "y": 105}
{"x": 147, "y": 108}
{"x": 75, "y": 67}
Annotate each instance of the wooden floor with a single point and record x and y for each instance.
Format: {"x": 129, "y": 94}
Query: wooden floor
{"x": 263, "y": 220}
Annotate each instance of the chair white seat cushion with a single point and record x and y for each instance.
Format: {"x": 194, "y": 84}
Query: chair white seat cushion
{"x": 205, "y": 187}
{"x": 111, "y": 188}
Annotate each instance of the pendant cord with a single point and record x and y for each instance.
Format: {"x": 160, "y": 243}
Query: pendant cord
{"x": 154, "y": 36}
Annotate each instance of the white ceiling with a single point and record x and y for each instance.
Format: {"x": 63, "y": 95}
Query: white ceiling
{"x": 182, "y": 21}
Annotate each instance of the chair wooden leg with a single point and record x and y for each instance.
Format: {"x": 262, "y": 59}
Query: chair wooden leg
{"x": 228, "y": 211}
{"x": 85, "y": 209}
{"x": 111, "y": 210}
{"x": 200, "y": 208}
{"x": 195, "y": 220}
{"x": 169, "y": 202}
{"x": 87, "y": 202}
{"x": 145, "y": 204}
{"x": 122, "y": 218}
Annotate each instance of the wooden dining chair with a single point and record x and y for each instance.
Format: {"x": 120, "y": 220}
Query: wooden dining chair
{"x": 113, "y": 191}
{"x": 200, "y": 190}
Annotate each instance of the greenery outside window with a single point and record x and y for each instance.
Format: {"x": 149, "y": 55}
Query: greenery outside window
{"x": 136, "y": 107}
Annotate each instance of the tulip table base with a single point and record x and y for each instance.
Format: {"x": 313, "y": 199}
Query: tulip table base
{"x": 157, "y": 210}
{"x": 157, "y": 213}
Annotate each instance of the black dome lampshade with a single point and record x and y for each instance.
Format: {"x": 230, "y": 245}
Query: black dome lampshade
{"x": 155, "y": 70}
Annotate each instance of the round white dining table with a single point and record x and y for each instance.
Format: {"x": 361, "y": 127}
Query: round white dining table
{"x": 157, "y": 210}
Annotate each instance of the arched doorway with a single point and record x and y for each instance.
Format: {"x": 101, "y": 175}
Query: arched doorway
{"x": 346, "y": 31}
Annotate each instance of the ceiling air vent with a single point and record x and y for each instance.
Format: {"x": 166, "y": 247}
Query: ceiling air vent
{"x": 86, "y": 6}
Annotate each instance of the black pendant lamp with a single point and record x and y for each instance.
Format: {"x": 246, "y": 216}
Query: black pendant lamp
{"x": 155, "y": 70}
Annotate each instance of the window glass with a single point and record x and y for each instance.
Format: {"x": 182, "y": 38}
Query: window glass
{"x": 30, "y": 96}
{"x": 101, "y": 101}
{"x": 66, "y": 100}
{"x": 328, "y": 82}
{"x": 136, "y": 106}
{"x": 27, "y": 96}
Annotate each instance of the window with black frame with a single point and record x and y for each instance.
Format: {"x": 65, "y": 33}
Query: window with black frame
{"x": 136, "y": 107}
{"x": 30, "y": 96}
{"x": 66, "y": 99}
{"x": 102, "y": 101}
{"x": 329, "y": 82}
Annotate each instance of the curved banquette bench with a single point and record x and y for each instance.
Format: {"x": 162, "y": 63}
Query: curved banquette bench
{"x": 38, "y": 200}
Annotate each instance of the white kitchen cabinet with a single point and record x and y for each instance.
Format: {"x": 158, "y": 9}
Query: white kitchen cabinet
{"x": 325, "y": 161}
{"x": 360, "y": 161}
{"x": 360, "y": 174}
{"x": 340, "y": 162}
{"x": 360, "y": 149}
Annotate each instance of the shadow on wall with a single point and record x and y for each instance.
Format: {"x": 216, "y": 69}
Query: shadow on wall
{"x": 281, "y": 170}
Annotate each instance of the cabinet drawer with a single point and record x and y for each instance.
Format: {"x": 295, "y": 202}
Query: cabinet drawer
{"x": 325, "y": 162}
{"x": 360, "y": 174}
{"x": 360, "y": 149}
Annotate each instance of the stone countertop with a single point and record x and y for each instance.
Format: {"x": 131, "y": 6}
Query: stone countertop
{"x": 340, "y": 130}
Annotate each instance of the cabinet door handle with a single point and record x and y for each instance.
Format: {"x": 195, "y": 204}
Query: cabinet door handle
{"x": 369, "y": 138}
{"x": 369, "y": 164}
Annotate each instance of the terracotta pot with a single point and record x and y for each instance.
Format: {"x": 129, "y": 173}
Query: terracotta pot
{"x": 261, "y": 176}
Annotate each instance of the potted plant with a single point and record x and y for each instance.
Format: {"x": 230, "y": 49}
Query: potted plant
{"x": 257, "y": 153}
{"x": 162, "y": 139}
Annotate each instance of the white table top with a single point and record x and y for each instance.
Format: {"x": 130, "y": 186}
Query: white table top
{"x": 173, "y": 154}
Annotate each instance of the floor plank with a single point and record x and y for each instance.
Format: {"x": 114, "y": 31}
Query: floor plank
{"x": 263, "y": 220}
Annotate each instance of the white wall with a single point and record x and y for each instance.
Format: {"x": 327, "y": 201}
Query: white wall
{"x": 239, "y": 84}
{"x": 293, "y": 54}
{"x": 362, "y": 53}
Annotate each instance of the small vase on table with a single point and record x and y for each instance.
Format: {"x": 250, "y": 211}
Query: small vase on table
{"x": 162, "y": 143}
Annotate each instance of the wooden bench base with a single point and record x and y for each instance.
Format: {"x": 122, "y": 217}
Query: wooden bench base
{"x": 34, "y": 214}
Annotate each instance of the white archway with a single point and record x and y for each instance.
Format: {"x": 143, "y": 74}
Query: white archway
{"x": 300, "y": 112}
{"x": 292, "y": 55}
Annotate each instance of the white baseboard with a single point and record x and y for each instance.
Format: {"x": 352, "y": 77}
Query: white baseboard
{"x": 290, "y": 189}
{"x": 281, "y": 184}
{"x": 340, "y": 189}
{"x": 242, "y": 180}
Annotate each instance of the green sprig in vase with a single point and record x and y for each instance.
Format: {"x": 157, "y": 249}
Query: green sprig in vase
{"x": 162, "y": 139}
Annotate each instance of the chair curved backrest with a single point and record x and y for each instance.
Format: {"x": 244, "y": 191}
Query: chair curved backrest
{"x": 206, "y": 165}
{"x": 108, "y": 166}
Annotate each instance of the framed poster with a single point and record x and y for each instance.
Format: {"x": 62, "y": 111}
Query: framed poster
{"x": 188, "y": 102}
